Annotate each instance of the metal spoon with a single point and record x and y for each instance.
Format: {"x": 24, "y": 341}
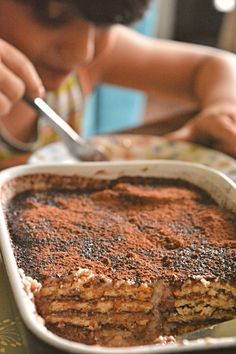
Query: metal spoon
{"x": 220, "y": 330}
{"x": 80, "y": 148}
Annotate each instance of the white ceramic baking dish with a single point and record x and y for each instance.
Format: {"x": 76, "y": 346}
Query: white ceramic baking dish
{"x": 220, "y": 187}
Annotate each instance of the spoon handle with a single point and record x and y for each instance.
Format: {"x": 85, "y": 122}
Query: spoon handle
{"x": 57, "y": 123}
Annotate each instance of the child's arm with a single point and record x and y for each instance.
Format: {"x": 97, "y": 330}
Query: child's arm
{"x": 17, "y": 76}
{"x": 177, "y": 70}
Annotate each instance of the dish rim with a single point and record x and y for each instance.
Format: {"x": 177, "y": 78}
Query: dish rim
{"x": 188, "y": 171}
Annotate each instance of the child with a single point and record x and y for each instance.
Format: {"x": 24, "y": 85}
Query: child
{"x": 66, "y": 47}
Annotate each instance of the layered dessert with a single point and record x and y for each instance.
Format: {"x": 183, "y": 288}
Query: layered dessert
{"x": 122, "y": 262}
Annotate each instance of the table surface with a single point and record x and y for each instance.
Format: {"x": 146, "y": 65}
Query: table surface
{"x": 164, "y": 124}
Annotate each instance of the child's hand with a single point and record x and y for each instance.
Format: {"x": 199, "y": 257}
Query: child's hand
{"x": 17, "y": 76}
{"x": 214, "y": 126}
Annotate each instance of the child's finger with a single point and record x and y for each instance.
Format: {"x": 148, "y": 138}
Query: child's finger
{"x": 10, "y": 84}
{"x": 184, "y": 133}
{"x": 227, "y": 148}
{"x": 5, "y": 104}
{"x": 224, "y": 130}
{"x": 20, "y": 65}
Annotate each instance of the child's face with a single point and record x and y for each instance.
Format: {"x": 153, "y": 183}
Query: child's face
{"x": 55, "y": 51}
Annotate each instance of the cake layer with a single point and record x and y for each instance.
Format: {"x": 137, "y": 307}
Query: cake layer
{"x": 96, "y": 289}
{"x": 126, "y": 320}
{"x": 225, "y": 302}
{"x": 119, "y": 305}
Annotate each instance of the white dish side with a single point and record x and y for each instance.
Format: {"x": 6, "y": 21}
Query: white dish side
{"x": 220, "y": 187}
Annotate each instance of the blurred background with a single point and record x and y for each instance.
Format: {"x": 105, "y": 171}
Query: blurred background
{"x": 208, "y": 22}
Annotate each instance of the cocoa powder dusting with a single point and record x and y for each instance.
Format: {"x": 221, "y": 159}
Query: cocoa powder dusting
{"x": 133, "y": 228}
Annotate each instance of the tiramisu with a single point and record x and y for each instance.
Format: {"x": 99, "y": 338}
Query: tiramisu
{"x": 122, "y": 262}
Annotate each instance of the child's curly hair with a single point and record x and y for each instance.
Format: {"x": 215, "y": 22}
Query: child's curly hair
{"x": 100, "y": 12}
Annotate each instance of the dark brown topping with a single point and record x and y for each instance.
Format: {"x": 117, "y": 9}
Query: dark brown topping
{"x": 139, "y": 229}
